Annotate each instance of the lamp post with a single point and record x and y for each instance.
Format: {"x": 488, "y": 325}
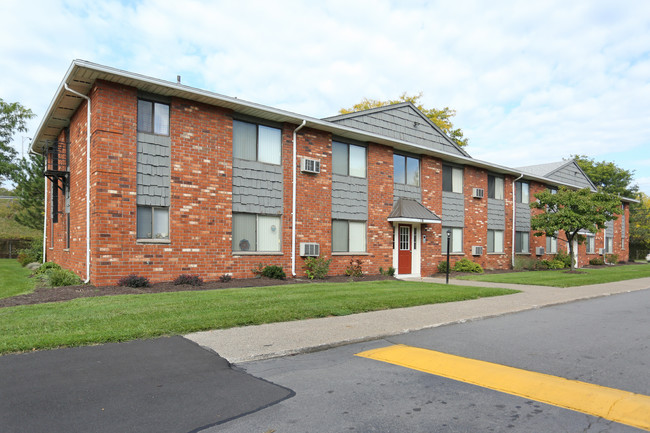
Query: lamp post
{"x": 448, "y": 242}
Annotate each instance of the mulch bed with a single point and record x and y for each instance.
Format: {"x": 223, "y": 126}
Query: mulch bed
{"x": 66, "y": 293}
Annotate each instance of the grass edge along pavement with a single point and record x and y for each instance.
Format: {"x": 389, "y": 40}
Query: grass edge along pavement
{"x": 14, "y": 279}
{"x": 561, "y": 278}
{"x": 117, "y": 318}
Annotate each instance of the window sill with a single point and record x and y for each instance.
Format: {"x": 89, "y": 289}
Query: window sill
{"x": 67, "y": 250}
{"x": 257, "y": 253}
{"x": 153, "y": 241}
{"x": 348, "y": 253}
{"x": 496, "y": 254}
{"x": 523, "y": 254}
{"x": 454, "y": 254}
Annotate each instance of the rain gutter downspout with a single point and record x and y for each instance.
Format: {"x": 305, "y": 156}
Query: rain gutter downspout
{"x": 74, "y": 92}
{"x": 514, "y": 217}
{"x": 293, "y": 201}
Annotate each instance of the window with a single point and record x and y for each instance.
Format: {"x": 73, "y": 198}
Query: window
{"x": 521, "y": 192}
{"x": 456, "y": 242}
{"x": 521, "y": 242}
{"x": 551, "y": 245}
{"x": 255, "y": 233}
{"x": 153, "y": 222}
{"x": 452, "y": 179}
{"x": 609, "y": 244}
{"x": 495, "y": 187}
{"x": 153, "y": 117}
{"x": 591, "y": 244}
{"x": 348, "y": 159}
{"x": 348, "y": 236}
{"x": 406, "y": 170}
{"x": 256, "y": 142}
{"x": 495, "y": 241}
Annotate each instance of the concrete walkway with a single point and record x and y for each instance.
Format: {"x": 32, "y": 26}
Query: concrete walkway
{"x": 279, "y": 339}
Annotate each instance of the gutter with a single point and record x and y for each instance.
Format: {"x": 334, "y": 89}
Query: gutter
{"x": 293, "y": 200}
{"x": 87, "y": 179}
{"x": 514, "y": 217}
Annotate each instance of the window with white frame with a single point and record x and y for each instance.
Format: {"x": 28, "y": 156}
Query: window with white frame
{"x": 153, "y": 222}
{"x": 456, "y": 241}
{"x": 551, "y": 245}
{"x": 452, "y": 179}
{"x": 256, "y": 233}
{"x": 522, "y": 242}
{"x": 591, "y": 244}
{"x": 255, "y": 142}
{"x": 348, "y": 159}
{"x": 153, "y": 117}
{"x": 609, "y": 244}
{"x": 495, "y": 187}
{"x": 495, "y": 241}
{"x": 522, "y": 192}
{"x": 348, "y": 236}
{"x": 406, "y": 170}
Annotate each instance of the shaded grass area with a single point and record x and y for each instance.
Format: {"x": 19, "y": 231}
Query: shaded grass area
{"x": 127, "y": 317}
{"x": 14, "y": 279}
{"x": 561, "y": 278}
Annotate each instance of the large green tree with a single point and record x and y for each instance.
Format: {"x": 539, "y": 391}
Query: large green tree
{"x": 608, "y": 177}
{"x": 442, "y": 118}
{"x": 13, "y": 119}
{"x": 640, "y": 223}
{"x": 30, "y": 190}
{"x": 572, "y": 211}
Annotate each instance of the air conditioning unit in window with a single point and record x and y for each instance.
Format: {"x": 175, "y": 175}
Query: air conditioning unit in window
{"x": 477, "y": 250}
{"x": 601, "y": 251}
{"x": 308, "y": 165}
{"x": 478, "y": 192}
{"x": 539, "y": 251}
{"x": 309, "y": 249}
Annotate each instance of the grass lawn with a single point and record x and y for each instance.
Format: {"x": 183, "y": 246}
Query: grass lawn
{"x": 560, "y": 278}
{"x": 127, "y": 317}
{"x": 13, "y": 279}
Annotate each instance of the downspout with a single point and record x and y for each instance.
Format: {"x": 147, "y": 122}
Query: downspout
{"x": 87, "y": 179}
{"x": 31, "y": 152}
{"x": 514, "y": 217}
{"x": 293, "y": 201}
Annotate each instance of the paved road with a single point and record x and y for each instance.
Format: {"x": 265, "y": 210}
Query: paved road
{"x": 160, "y": 385}
{"x": 605, "y": 341}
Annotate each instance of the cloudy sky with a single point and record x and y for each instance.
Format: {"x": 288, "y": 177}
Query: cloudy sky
{"x": 531, "y": 82}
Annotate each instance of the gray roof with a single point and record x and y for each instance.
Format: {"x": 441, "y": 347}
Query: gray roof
{"x": 409, "y": 210}
{"x": 563, "y": 172}
{"x": 402, "y": 121}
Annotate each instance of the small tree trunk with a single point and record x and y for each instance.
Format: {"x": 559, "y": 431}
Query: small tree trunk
{"x": 573, "y": 262}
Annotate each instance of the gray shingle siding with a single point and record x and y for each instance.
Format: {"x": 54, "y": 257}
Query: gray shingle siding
{"x": 406, "y": 191}
{"x": 256, "y": 187}
{"x": 401, "y": 123}
{"x": 609, "y": 226}
{"x": 569, "y": 174}
{"x": 349, "y": 198}
{"x": 153, "y": 170}
{"x": 522, "y": 222}
{"x": 496, "y": 214}
{"x": 453, "y": 209}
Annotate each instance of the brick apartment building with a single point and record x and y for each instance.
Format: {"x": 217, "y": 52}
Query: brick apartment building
{"x": 159, "y": 179}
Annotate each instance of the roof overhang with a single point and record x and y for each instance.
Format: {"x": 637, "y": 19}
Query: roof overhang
{"x": 412, "y": 211}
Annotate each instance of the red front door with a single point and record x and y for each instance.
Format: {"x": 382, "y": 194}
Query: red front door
{"x": 404, "y": 254}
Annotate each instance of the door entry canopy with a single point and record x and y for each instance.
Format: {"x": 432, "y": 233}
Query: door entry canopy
{"x": 406, "y": 210}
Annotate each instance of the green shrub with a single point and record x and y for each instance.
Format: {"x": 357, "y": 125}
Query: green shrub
{"x": 524, "y": 263}
{"x": 597, "y": 261}
{"x": 564, "y": 258}
{"x": 134, "y": 281}
{"x": 555, "y": 264}
{"x": 192, "y": 280}
{"x": 612, "y": 258}
{"x": 466, "y": 265}
{"x": 442, "y": 267}
{"x": 225, "y": 278}
{"x": 354, "y": 269}
{"x": 45, "y": 267}
{"x": 33, "y": 253}
{"x": 391, "y": 271}
{"x": 317, "y": 267}
{"x": 62, "y": 277}
{"x": 274, "y": 272}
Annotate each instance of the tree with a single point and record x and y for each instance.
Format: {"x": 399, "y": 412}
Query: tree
{"x": 640, "y": 222}
{"x": 13, "y": 119}
{"x": 30, "y": 190}
{"x": 571, "y": 211}
{"x": 607, "y": 176}
{"x": 442, "y": 118}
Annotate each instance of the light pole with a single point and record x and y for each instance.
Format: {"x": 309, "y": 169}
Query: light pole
{"x": 448, "y": 242}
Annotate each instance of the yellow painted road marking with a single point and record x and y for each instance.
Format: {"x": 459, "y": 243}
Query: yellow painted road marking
{"x": 609, "y": 403}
